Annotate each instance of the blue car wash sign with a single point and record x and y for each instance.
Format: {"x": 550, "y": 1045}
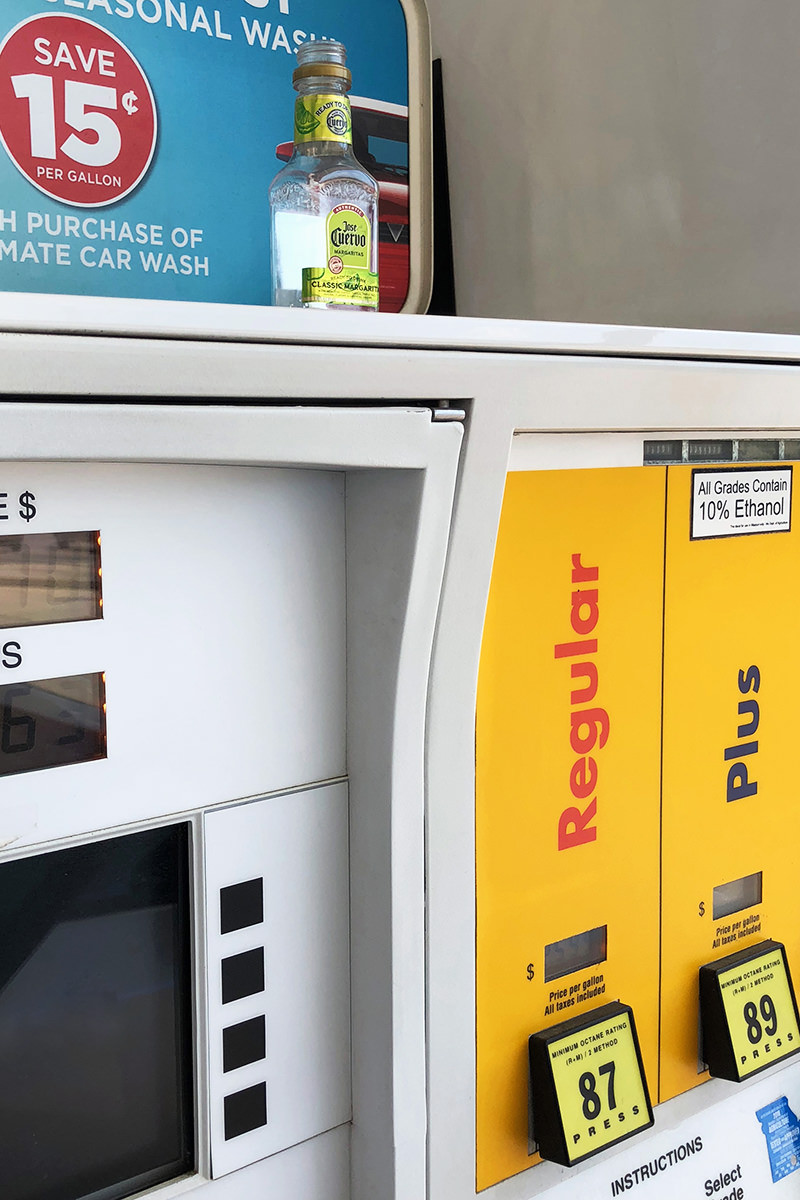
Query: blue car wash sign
{"x": 138, "y": 138}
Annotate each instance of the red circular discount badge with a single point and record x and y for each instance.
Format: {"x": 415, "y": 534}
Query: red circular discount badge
{"x": 77, "y": 114}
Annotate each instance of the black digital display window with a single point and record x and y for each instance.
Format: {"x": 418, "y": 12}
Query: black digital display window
{"x": 49, "y": 578}
{"x": 575, "y": 953}
{"x": 96, "y": 1018}
{"x": 52, "y": 723}
{"x": 736, "y": 896}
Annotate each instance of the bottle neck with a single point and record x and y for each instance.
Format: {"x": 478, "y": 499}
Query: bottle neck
{"x": 322, "y": 117}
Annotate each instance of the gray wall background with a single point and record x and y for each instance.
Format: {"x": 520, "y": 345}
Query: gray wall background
{"x": 625, "y": 161}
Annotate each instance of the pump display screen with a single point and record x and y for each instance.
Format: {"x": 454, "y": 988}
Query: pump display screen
{"x": 52, "y": 722}
{"x": 575, "y": 953}
{"x": 48, "y": 578}
{"x": 95, "y": 1018}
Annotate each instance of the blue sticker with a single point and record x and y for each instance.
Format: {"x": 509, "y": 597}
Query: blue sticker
{"x": 782, "y": 1131}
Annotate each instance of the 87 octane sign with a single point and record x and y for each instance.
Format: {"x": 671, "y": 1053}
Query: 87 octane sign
{"x": 77, "y": 114}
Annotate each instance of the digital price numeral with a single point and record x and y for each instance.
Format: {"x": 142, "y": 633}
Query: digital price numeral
{"x": 77, "y": 114}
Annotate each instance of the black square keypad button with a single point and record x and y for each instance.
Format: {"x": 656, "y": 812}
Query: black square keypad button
{"x": 245, "y": 1111}
{"x": 242, "y": 975}
{"x": 241, "y": 905}
{"x": 244, "y": 1043}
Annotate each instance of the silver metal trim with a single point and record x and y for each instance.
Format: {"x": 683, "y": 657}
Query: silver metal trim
{"x": 420, "y": 157}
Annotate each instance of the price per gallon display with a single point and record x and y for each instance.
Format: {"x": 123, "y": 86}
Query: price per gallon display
{"x": 588, "y": 1086}
{"x": 749, "y": 1012}
{"x": 49, "y": 578}
{"x": 52, "y": 723}
{"x": 77, "y": 114}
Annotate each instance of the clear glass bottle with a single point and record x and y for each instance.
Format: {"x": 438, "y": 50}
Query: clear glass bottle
{"x": 323, "y": 204}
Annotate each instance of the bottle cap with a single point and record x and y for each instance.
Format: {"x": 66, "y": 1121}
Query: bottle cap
{"x": 319, "y": 59}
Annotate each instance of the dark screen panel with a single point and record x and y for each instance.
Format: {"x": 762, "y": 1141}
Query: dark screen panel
{"x": 95, "y": 1019}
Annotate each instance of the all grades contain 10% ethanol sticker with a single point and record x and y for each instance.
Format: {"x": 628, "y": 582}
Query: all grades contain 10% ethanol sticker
{"x": 736, "y": 501}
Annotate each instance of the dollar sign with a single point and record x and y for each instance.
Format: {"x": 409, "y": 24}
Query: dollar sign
{"x": 27, "y": 508}
{"x": 530, "y": 972}
{"x": 701, "y": 912}
{"x": 129, "y": 103}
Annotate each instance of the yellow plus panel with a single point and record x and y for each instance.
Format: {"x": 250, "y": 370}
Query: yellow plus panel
{"x": 731, "y": 678}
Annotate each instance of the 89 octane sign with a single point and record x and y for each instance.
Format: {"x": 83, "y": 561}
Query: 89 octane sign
{"x": 77, "y": 114}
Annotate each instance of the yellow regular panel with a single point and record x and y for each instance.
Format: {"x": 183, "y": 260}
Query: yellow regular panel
{"x": 567, "y": 778}
{"x": 731, "y": 680}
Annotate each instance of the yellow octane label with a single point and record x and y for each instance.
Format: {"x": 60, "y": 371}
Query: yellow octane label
{"x": 598, "y": 1082}
{"x": 349, "y": 288}
{"x": 759, "y": 1011}
{"x": 322, "y": 118}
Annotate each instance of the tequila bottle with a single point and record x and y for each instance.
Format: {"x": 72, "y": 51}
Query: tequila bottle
{"x": 324, "y": 205}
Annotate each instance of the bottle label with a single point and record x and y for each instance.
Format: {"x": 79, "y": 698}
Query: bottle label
{"x": 323, "y": 118}
{"x": 347, "y": 279}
